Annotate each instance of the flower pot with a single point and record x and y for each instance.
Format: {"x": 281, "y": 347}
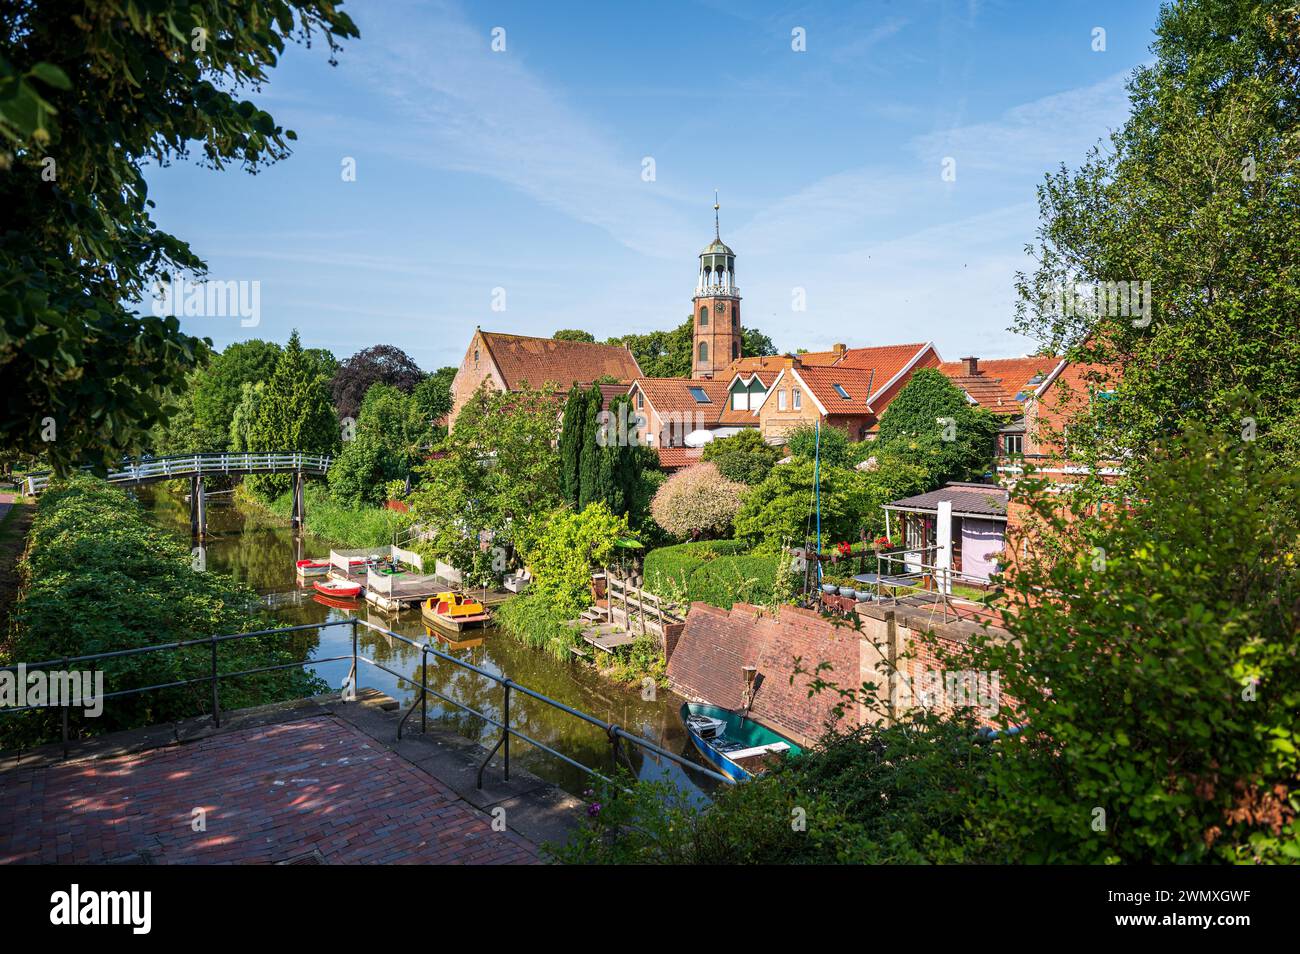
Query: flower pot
{"x": 846, "y": 591}
{"x": 864, "y": 596}
{"x": 829, "y": 588}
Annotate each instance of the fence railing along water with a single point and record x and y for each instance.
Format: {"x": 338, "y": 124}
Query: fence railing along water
{"x": 615, "y": 734}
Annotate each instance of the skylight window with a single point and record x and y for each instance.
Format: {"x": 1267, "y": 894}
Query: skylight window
{"x": 700, "y": 396}
{"x": 839, "y": 389}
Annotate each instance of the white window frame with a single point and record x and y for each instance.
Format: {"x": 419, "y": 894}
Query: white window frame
{"x": 797, "y": 398}
{"x": 740, "y": 400}
{"x": 780, "y": 400}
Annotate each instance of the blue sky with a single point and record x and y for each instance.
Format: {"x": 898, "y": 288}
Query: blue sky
{"x": 523, "y": 169}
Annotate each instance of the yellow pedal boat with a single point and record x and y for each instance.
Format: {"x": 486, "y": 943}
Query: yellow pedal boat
{"x": 455, "y": 612}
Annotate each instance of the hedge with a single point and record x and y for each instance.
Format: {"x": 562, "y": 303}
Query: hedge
{"x": 717, "y": 572}
{"x": 677, "y": 563}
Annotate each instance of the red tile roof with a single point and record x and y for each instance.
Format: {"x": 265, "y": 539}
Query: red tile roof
{"x": 673, "y": 396}
{"x": 997, "y": 381}
{"x": 675, "y": 458}
{"x": 772, "y": 362}
{"x": 885, "y": 360}
{"x": 539, "y": 361}
{"x": 821, "y": 382}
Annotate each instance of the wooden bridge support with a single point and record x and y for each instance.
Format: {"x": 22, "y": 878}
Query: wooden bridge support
{"x": 299, "y": 501}
{"x": 198, "y": 508}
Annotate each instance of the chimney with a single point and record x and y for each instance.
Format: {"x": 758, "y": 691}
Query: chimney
{"x": 838, "y": 349}
{"x": 972, "y": 365}
{"x": 791, "y": 361}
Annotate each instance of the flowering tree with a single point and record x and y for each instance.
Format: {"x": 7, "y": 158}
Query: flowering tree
{"x": 696, "y": 502}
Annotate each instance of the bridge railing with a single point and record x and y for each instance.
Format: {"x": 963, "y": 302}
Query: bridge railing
{"x": 145, "y": 470}
{"x": 616, "y": 734}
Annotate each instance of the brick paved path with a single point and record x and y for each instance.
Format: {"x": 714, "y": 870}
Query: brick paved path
{"x": 272, "y": 793}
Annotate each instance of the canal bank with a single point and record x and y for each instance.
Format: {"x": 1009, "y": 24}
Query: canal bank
{"x": 257, "y": 550}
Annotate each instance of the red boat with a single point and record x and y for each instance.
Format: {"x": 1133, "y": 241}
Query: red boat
{"x": 339, "y": 589}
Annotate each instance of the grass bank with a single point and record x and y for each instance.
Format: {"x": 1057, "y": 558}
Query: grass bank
{"x": 339, "y": 524}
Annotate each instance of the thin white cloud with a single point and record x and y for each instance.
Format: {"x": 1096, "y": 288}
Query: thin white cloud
{"x": 464, "y": 108}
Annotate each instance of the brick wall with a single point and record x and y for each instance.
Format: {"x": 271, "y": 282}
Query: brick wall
{"x": 707, "y": 663}
{"x": 475, "y": 368}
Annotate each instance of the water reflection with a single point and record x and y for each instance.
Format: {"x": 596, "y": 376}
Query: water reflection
{"x": 256, "y": 551}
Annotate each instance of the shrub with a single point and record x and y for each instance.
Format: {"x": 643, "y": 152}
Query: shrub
{"x": 567, "y": 547}
{"x": 533, "y": 621}
{"x": 743, "y": 457}
{"x": 802, "y": 442}
{"x": 1155, "y": 669}
{"x": 733, "y": 579}
{"x": 697, "y": 501}
{"x": 717, "y": 572}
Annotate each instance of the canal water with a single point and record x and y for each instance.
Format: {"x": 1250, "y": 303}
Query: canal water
{"x": 259, "y": 551}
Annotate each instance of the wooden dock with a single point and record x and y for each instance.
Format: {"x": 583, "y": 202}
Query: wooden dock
{"x": 630, "y": 612}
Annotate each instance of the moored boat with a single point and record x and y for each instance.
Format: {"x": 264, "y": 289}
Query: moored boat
{"x": 338, "y": 589}
{"x": 735, "y": 745}
{"x": 455, "y": 612}
{"x": 313, "y": 567}
{"x": 322, "y": 567}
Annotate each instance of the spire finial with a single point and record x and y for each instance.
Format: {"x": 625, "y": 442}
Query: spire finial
{"x": 717, "y": 234}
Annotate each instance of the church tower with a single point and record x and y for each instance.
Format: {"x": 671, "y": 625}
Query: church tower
{"x": 716, "y": 308}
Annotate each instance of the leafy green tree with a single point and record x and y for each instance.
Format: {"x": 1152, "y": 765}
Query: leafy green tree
{"x": 433, "y": 394}
{"x": 378, "y": 364}
{"x": 98, "y": 92}
{"x": 390, "y": 430}
{"x": 219, "y": 387}
{"x": 743, "y": 457}
{"x": 572, "y": 430}
{"x": 930, "y": 423}
{"x": 294, "y": 415}
{"x": 753, "y": 344}
{"x": 589, "y": 455}
{"x": 244, "y": 418}
{"x": 780, "y": 510}
{"x": 574, "y": 334}
{"x": 661, "y": 354}
{"x": 1152, "y": 669}
{"x": 668, "y": 354}
{"x": 803, "y": 443}
{"x": 566, "y": 548}
{"x": 497, "y": 471}
{"x": 1197, "y": 195}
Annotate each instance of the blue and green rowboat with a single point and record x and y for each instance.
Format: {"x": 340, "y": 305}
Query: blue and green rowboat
{"x": 736, "y": 746}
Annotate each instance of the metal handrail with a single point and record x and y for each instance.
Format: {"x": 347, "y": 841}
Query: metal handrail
{"x": 191, "y": 465}
{"x": 613, "y": 732}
